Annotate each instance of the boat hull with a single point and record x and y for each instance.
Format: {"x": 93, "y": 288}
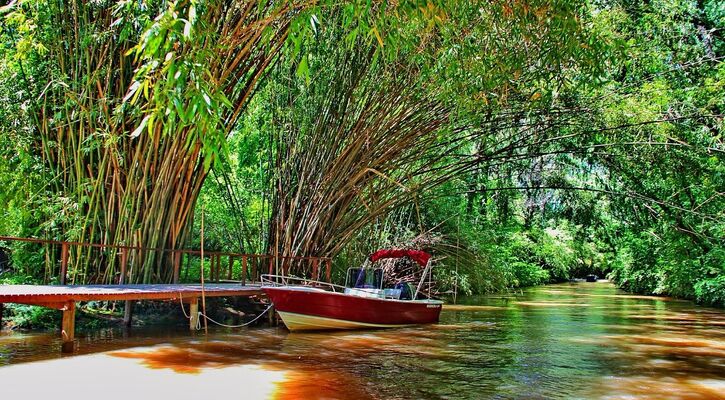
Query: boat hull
{"x": 305, "y": 309}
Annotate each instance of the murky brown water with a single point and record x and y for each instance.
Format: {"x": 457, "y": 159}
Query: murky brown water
{"x": 585, "y": 340}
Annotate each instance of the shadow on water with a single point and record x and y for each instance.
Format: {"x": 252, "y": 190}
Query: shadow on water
{"x": 585, "y": 340}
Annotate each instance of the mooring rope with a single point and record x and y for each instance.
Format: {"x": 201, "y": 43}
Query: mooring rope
{"x": 201, "y": 314}
{"x": 238, "y": 326}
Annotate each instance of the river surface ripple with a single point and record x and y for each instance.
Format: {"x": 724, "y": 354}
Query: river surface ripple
{"x": 579, "y": 340}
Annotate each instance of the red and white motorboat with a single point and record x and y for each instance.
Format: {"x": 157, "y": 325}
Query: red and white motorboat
{"x": 361, "y": 303}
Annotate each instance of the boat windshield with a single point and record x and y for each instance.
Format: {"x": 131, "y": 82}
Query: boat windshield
{"x": 365, "y": 278}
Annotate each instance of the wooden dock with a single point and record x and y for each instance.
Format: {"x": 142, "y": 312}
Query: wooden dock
{"x": 64, "y": 298}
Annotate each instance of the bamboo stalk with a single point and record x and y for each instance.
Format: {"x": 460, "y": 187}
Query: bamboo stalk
{"x": 203, "y": 293}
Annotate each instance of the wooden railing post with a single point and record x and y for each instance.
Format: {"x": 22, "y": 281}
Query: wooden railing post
{"x": 244, "y": 270}
{"x": 231, "y": 267}
{"x": 177, "y": 265}
{"x": 271, "y": 265}
{"x": 63, "y": 262}
{"x": 315, "y": 269}
{"x": 329, "y": 270}
{"x": 124, "y": 266}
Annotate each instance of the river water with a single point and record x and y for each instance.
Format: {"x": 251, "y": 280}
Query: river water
{"x": 579, "y": 340}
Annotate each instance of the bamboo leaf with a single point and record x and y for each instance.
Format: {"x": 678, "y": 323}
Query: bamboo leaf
{"x": 192, "y": 13}
{"x": 131, "y": 90}
{"x": 187, "y": 29}
{"x": 150, "y": 124}
{"x": 303, "y": 70}
{"x": 224, "y": 100}
{"x": 314, "y": 22}
{"x": 140, "y": 127}
{"x": 8, "y": 7}
{"x": 378, "y": 37}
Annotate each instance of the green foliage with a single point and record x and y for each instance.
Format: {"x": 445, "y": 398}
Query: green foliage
{"x": 521, "y": 142}
{"x": 672, "y": 241}
{"x": 711, "y": 291}
{"x": 17, "y": 279}
{"x": 33, "y": 317}
{"x": 528, "y": 274}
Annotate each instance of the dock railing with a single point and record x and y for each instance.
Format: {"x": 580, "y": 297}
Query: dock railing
{"x": 115, "y": 264}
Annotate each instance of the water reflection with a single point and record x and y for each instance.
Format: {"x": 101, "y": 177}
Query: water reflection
{"x": 584, "y": 340}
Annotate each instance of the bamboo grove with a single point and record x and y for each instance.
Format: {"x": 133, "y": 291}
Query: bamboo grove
{"x": 375, "y": 136}
{"x": 132, "y": 102}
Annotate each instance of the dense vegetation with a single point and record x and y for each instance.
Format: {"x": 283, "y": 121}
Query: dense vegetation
{"x": 522, "y": 142}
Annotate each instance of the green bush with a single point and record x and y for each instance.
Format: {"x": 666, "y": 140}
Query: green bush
{"x": 711, "y": 291}
{"x": 32, "y": 317}
{"x": 13, "y": 278}
{"x": 527, "y": 274}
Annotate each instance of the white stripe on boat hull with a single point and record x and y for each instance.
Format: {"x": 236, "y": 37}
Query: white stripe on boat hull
{"x": 301, "y": 322}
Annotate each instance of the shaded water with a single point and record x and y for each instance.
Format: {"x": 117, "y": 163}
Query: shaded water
{"x": 584, "y": 340}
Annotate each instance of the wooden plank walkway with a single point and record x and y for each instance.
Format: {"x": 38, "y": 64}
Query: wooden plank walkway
{"x": 64, "y": 298}
{"x": 43, "y": 294}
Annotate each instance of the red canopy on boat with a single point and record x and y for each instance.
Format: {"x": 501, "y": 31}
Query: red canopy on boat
{"x": 419, "y": 256}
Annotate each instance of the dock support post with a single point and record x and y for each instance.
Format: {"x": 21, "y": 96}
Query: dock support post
{"x": 271, "y": 315}
{"x": 128, "y": 306}
{"x": 128, "y": 313}
{"x": 68, "y": 328}
{"x": 63, "y": 262}
{"x": 1, "y": 316}
{"x": 193, "y": 313}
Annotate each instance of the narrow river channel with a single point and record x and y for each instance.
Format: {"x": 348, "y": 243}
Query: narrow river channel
{"x": 580, "y": 340}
